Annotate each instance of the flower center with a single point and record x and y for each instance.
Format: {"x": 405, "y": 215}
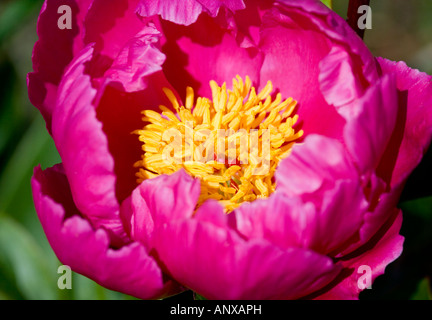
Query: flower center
{"x": 232, "y": 143}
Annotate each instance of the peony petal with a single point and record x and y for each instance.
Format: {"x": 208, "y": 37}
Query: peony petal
{"x": 133, "y": 83}
{"x": 254, "y": 269}
{"x": 370, "y": 124}
{"x": 171, "y": 197}
{"x": 139, "y": 58}
{"x": 284, "y": 221}
{"x": 185, "y": 12}
{"x": 83, "y": 148}
{"x": 213, "y": 6}
{"x": 53, "y": 52}
{"x": 110, "y": 24}
{"x": 103, "y": 180}
{"x": 289, "y": 222}
{"x": 43, "y": 96}
{"x": 383, "y": 249}
{"x": 129, "y": 269}
{"x": 314, "y": 164}
{"x": 205, "y": 51}
{"x": 246, "y": 24}
{"x": 377, "y": 216}
{"x": 320, "y": 52}
{"x": 337, "y": 30}
{"x": 340, "y": 217}
{"x": 413, "y": 132}
{"x": 301, "y": 51}
{"x": 137, "y": 219}
{"x": 215, "y": 215}
{"x": 181, "y": 12}
{"x": 338, "y": 82}
{"x": 158, "y": 200}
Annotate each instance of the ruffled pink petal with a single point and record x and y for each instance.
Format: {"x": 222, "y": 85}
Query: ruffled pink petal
{"x": 132, "y": 83}
{"x": 383, "y": 249}
{"x": 101, "y": 181}
{"x": 413, "y": 131}
{"x": 325, "y": 228}
{"x": 52, "y": 53}
{"x": 129, "y": 269}
{"x": 370, "y": 124}
{"x": 246, "y": 24}
{"x": 83, "y": 148}
{"x": 171, "y": 197}
{"x": 340, "y": 217}
{"x": 326, "y": 65}
{"x": 301, "y": 51}
{"x": 42, "y": 95}
{"x": 215, "y": 262}
{"x": 315, "y": 164}
{"x": 205, "y": 51}
{"x": 284, "y": 221}
{"x": 185, "y": 12}
{"x": 137, "y": 219}
{"x": 382, "y": 209}
{"x": 338, "y": 31}
{"x": 212, "y": 6}
{"x": 110, "y": 24}
{"x": 139, "y": 58}
{"x": 320, "y": 54}
{"x": 159, "y": 200}
{"x": 339, "y": 83}
{"x": 120, "y": 114}
{"x": 181, "y": 12}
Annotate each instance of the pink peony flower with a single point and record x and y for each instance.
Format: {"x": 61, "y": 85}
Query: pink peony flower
{"x": 326, "y": 210}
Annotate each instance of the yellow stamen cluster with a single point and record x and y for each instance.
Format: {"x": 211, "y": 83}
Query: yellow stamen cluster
{"x": 238, "y": 110}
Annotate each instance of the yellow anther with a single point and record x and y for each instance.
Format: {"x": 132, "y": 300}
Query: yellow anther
{"x": 171, "y": 97}
{"x": 189, "y": 98}
{"x": 241, "y": 115}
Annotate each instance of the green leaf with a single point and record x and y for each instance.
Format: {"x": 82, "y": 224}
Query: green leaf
{"x": 14, "y": 14}
{"x": 5, "y": 296}
{"x": 8, "y": 288}
{"x": 84, "y": 288}
{"x": 421, "y": 207}
{"x": 328, "y": 3}
{"x": 19, "y": 168}
{"x": 8, "y": 119}
{"x": 423, "y": 291}
{"x": 22, "y": 258}
{"x": 198, "y": 296}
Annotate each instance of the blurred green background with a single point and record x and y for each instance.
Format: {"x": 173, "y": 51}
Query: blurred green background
{"x": 402, "y": 30}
